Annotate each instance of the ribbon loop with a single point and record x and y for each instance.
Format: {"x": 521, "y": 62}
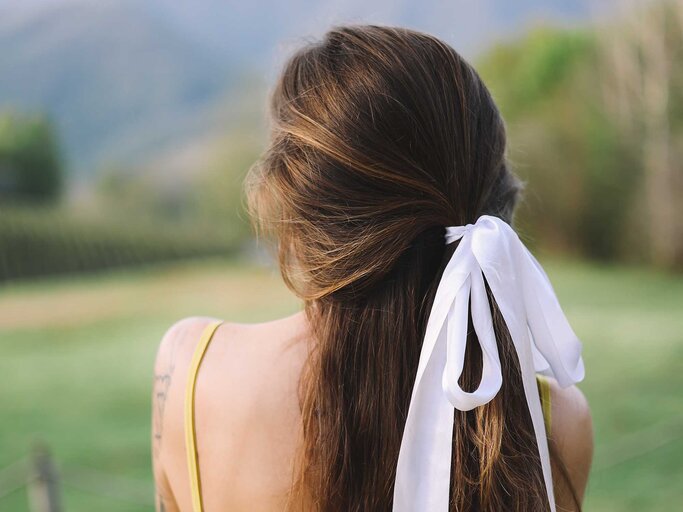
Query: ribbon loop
{"x": 491, "y": 377}
{"x": 489, "y": 252}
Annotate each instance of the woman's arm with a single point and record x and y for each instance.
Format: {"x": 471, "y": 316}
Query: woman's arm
{"x": 572, "y": 438}
{"x": 164, "y": 370}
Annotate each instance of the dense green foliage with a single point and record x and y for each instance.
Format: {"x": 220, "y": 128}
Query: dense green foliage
{"x": 586, "y": 168}
{"x": 30, "y": 160}
{"x": 579, "y": 174}
{"x": 133, "y": 218}
{"x": 47, "y": 241}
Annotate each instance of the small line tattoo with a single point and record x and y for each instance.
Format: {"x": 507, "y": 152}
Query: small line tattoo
{"x": 162, "y": 384}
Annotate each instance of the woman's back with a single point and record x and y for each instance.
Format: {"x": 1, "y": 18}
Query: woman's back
{"x": 248, "y": 422}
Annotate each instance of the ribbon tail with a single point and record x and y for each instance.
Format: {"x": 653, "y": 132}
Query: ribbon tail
{"x": 524, "y": 353}
{"x": 551, "y": 333}
{"x": 423, "y": 472}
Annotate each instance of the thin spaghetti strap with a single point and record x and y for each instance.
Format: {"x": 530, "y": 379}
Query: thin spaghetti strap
{"x": 190, "y": 433}
{"x": 544, "y": 391}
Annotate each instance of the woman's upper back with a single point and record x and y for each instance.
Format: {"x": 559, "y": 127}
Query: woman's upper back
{"x": 248, "y": 422}
{"x": 246, "y": 410}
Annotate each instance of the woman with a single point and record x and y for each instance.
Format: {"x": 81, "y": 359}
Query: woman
{"x": 381, "y": 138}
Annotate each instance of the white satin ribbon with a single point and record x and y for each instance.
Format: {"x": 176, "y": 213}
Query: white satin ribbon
{"x": 545, "y": 343}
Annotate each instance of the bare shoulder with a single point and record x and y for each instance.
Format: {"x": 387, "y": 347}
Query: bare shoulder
{"x": 177, "y": 337}
{"x": 247, "y": 377}
{"x": 250, "y": 372}
{"x": 178, "y": 344}
{"x": 238, "y": 352}
{"x": 170, "y": 367}
{"x": 172, "y": 360}
{"x": 572, "y": 433}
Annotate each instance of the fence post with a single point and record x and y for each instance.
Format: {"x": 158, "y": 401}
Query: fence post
{"x": 43, "y": 485}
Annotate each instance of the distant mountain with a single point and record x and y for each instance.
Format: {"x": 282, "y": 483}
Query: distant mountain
{"x": 250, "y": 29}
{"x": 118, "y": 80}
{"x": 126, "y": 80}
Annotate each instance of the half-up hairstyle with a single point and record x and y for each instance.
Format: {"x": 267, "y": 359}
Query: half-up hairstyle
{"x": 381, "y": 137}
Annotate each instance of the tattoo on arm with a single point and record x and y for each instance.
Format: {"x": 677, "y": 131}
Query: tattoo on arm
{"x": 161, "y": 506}
{"x": 164, "y": 370}
{"x": 162, "y": 383}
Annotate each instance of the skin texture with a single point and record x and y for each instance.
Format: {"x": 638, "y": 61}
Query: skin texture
{"x": 248, "y": 420}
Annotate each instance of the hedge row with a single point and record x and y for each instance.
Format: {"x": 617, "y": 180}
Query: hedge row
{"x": 45, "y": 242}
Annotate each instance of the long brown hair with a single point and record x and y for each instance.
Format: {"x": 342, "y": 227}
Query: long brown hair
{"x": 381, "y": 137}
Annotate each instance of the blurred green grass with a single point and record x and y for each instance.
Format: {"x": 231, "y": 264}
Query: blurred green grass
{"x": 77, "y": 355}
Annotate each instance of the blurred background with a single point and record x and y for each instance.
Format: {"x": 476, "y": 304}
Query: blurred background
{"x": 126, "y": 128}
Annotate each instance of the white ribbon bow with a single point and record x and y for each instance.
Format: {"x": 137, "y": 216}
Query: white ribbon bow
{"x": 543, "y": 339}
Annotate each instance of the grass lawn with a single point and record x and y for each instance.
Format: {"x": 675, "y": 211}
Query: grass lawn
{"x": 77, "y": 353}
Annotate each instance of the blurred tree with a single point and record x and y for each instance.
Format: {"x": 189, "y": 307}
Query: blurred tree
{"x": 643, "y": 84}
{"x": 595, "y": 121}
{"x": 30, "y": 160}
{"x": 198, "y": 182}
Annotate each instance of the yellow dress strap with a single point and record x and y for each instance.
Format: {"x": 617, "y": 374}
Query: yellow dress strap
{"x": 190, "y": 434}
{"x": 544, "y": 392}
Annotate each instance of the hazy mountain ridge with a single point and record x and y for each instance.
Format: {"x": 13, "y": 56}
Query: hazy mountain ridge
{"x": 116, "y": 79}
{"x": 128, "y": 79}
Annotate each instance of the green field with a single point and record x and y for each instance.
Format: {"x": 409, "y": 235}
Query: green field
{"x": 77, "y": 353}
